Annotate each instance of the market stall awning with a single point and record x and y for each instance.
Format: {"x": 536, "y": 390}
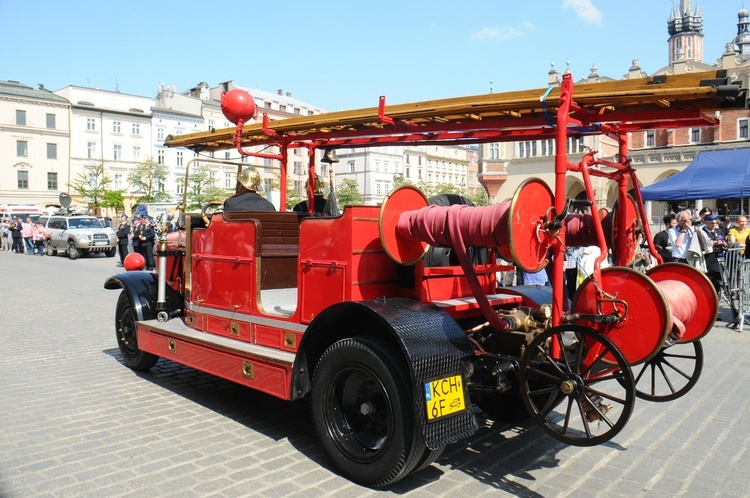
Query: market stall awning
{"x": 715, "y": 174}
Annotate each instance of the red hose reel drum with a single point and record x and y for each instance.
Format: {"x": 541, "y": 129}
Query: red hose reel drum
{"x": 580, "y": 231}
{"x": 408, "y": 225}
{"x": 672, "y": 299}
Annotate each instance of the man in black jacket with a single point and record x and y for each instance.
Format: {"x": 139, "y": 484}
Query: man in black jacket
{"x": 247, "y": 197}
{"x": 123, "y": 232}
{"x": 148, "y": 237}
{"x": 661, "y": 239}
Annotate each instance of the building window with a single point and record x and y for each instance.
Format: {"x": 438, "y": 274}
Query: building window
{"x": 159, "y": 157}
{"x": 23, "y": 180}
{"x": 377, "y": 165}
{"x": 296, "y": 110}
{"x": 20, "y": 117}
{"x": 22, "y": 148}
{"x": 136, "y": 128}
{"x": 180, "y": 180}
{"x": 742, "y": 126}
{"x": 91, "y": 150}
{"x": 650, "y": 138}
{"x": 377, "y": 188}
{"x": 352, "y": 169}
{"x": 297, "y": 168}
{"x": 51, "y": 181}
{"x": 90, "y": 124}
{"x": 211, "y": 125}
{"x": 227, "y": 180}
{"x": 137, "y": 154}
{"x": 51, "y": 121}
{"x": 116, "y": 126}
{"x": 226, "y": 155}
{"x": 179, "y": 158}
{"x": 408, "y": 173}
{"x": 695, "y": 135}
{"x": 117, "y": 152}
{"x": 282, "y": 107}
{"x": 160, "y": 133}
{"x": 117, "y": 181}
{"x": 51, "y": 151}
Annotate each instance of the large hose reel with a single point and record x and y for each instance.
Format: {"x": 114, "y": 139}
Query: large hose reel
{"x": 641, "y": 310}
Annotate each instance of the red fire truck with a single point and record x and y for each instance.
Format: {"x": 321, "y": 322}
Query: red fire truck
{"x": 395, "y": 351}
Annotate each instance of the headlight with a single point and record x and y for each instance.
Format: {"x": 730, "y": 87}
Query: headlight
{"x": 83, "y": 238}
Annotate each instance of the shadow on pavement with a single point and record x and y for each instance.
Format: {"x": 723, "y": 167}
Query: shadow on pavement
{"x": 497, "y": 455}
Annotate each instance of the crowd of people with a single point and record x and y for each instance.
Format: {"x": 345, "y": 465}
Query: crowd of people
{"x": 138, "y": 234}
{"x": 22, "y": 237}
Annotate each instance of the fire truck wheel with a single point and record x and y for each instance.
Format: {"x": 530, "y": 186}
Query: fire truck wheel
{"x": 127, "y": 339}
{"x": 589, "y": 380}
{"x": 671, "y": 373}
{"x": 363, "y": 412}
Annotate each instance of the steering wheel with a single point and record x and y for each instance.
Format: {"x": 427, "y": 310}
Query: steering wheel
{"x": 206, "y": 207}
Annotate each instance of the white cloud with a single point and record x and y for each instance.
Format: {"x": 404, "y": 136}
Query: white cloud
{"x": 503, "y": 33}
{"x": 585, "y": 10}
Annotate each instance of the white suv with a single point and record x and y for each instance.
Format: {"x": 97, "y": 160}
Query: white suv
{"x": 78, "y": 235}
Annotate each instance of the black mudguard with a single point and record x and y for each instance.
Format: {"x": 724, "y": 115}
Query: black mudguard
{"x": 433, "y": 345}
{"x": 141, "y": 286}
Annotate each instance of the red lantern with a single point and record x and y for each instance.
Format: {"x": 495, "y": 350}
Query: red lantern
{"x": 237, "y": 105}
{"x": 134, "y": 262}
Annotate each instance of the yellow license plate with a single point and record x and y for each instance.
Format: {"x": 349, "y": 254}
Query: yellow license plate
{"x": 444, "y": 396}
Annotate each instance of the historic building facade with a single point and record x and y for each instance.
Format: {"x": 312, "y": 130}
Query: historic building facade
{"x": 35, "y": 142}
{"x": 657, "y": 154}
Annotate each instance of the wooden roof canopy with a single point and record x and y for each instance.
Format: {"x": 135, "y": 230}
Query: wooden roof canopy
{"x": 617, "y": 106}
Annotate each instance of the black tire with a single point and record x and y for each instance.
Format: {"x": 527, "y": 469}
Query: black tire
{"x": 127, "y": 339}
{"x": 363, "y": 412}
{"x": 111, "y": 252}
{"x": 72, "y": 250}
{"x": 49, "y": 248}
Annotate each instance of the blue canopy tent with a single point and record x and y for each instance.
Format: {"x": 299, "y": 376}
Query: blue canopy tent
{"x": 715, "y": 174}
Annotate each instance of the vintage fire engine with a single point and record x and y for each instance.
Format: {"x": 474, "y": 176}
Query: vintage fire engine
{"x": 395, "y": 350}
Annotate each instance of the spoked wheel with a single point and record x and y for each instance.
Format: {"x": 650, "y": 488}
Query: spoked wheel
{"x": 363, "y": 412}
{"x": 591, "y": 384}
{"x": 671, "y": 373}
{"x": 127, "y": 339}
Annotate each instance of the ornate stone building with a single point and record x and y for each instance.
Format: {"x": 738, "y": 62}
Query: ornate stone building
{"x": 657, "y": 154}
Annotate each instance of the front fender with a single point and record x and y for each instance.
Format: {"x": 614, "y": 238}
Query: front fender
{"x": 141, "y": 287}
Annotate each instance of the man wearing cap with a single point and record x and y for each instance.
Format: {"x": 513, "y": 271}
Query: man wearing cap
{"x": 123, "y": 232}
{"x": 247, "y": 197}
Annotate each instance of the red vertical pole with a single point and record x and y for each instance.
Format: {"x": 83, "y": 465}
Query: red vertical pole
{"x": 622, "y": 207}
{"x": 282, "y": 178}
{"x": 561, "y": 168}
{"x": 311, "y": 180}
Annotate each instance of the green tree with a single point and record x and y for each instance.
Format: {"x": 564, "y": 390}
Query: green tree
{"x": 91, "y": 184}
{"x": 113, "y": 199}
{"x": 480, "y": 198}
{"x": 347, "y": 193}
{"x": 148, "y": 179}
{"x": 398, "y": 180}
{"x": 292, "y": 196}
{"x": 202, "y": 188}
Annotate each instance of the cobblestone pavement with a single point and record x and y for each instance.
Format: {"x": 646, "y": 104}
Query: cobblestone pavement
{"x": 76, "y": 422}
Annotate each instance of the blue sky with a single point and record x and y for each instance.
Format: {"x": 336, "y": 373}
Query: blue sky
{"x": 340, "y": 54}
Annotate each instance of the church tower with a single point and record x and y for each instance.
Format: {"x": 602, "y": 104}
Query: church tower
{"x": 742, "y": 40}
{"x": 685, "y": 33}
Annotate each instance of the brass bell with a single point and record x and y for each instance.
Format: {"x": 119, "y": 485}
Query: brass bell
{"x": 329, "y": 157}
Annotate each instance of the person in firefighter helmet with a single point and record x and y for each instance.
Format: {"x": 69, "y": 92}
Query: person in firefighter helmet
{"x": 247, "y": 197}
